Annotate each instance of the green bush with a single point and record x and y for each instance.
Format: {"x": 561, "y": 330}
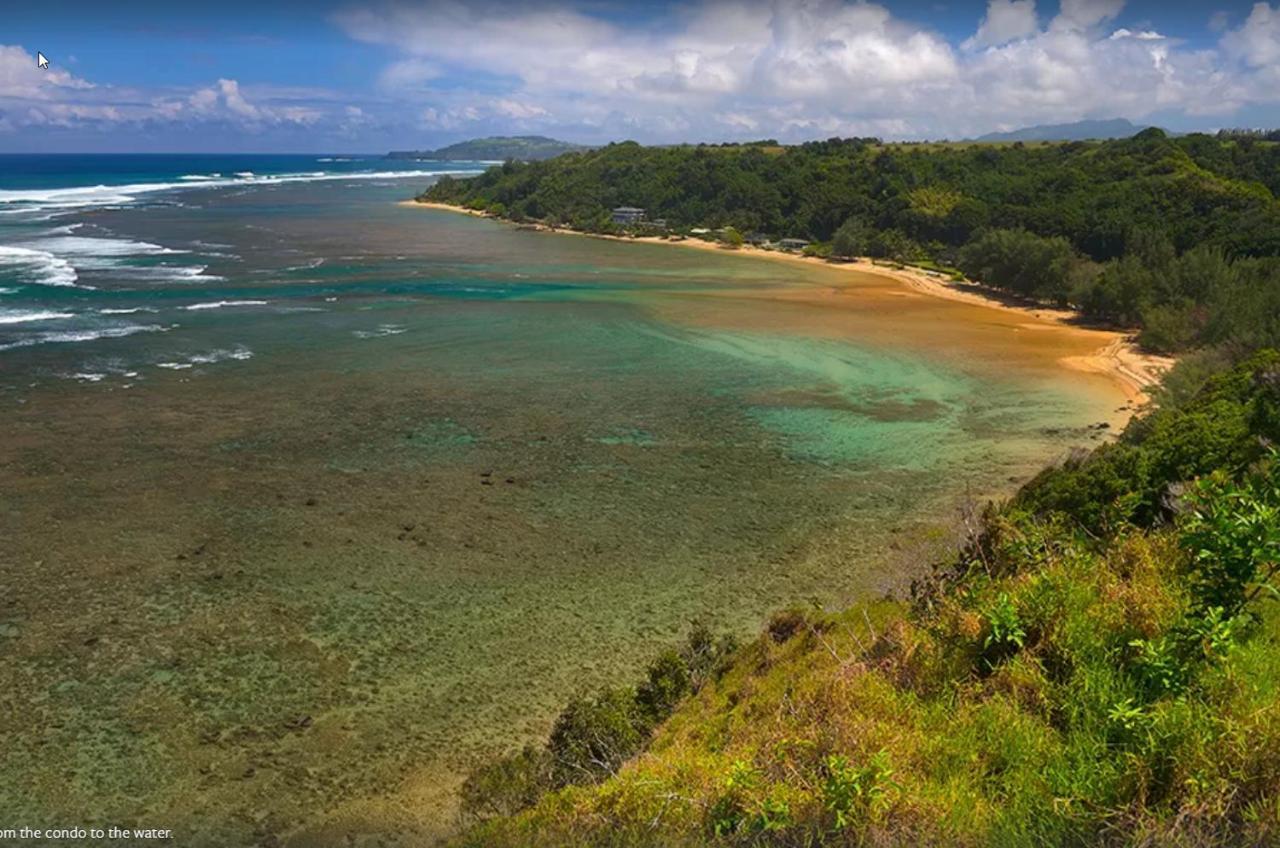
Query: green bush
{"x": 1221, "y": 426}
{"x": 851, "y": 795}
{"x": 1233, "y": 530}
{"x": 594, "y": 735}
{"x": 506, "y": 786}
{"x": 706, "y": 655}
{"x": 1169, "y": 328}
{"x": 729, "y": 811}
{"x": 1005, "y": 633}
{"x": 667, "y": 682}
{"x": 730, "y": 237}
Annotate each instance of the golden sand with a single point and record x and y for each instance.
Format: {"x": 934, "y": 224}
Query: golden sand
{"x": 1115, "y": 354}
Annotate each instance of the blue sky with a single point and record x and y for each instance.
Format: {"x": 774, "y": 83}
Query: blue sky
{"x": 357, "y": 77}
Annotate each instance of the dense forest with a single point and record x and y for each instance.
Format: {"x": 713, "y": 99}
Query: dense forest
{"x": 1178, "y": 236}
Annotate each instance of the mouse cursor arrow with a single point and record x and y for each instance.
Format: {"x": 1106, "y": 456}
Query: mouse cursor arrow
{"x": 41, "y": 62}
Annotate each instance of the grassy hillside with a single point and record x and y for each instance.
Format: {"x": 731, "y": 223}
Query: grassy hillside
{"x": 1100, "y": 664}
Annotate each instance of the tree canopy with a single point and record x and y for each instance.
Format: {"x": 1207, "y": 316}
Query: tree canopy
{"x": 1179, "y": 236}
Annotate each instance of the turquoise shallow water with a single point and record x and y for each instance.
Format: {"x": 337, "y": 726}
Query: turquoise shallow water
{"x": 282, "y": 566}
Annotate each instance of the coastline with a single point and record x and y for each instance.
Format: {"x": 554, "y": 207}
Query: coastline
{"x": 1119, "y": 358}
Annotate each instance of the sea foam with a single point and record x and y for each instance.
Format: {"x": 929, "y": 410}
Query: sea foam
{"x": 71, "y": 336}
{"x": 19, "y": 200}
{"x": 97, "y": 246}
{"x": 238, "y": 353}
{"x": 380, "y": 332}
{"x": 219, "y": 304}
{"x": 38, "y": 266}
{"x": 20, "y": 316}
{"x": 172, "y": 273}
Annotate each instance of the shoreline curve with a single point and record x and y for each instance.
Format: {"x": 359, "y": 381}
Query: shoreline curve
{"x": 1120, "y": 358}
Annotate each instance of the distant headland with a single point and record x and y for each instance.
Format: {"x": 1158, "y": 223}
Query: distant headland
{"x": 525, "y": 148}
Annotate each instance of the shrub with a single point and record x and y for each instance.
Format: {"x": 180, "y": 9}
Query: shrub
{"x": 1217, "y": 427}
{"x": 507, "y": 785}
{"x": 706, "y": 657}
{"x": 786, "y": 623}
{"x": 1005, "y": 633}
{"x": 1170, "y": 327}
{"x": 774, "y": 814}
{"x": 593, "y": 736}
{"x": 851, "y": 794}
{"x": 667, "y": 681}
{"x": 1233, "y": 531}
{"x": 728, "y": 813}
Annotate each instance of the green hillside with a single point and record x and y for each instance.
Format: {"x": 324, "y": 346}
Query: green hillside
{"x": 1099, "y": 665}
{"x": 521, "y": 148}
{"x": 1178, "y": 236}
{"x": 1078, "y": 131}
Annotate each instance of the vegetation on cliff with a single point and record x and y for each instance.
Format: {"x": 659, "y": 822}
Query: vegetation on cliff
{"x": 1100, "y": 664}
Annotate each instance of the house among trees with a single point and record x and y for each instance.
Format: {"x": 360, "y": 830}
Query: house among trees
{"x": 794, "y": 244}
{"x": 628, "y": 216}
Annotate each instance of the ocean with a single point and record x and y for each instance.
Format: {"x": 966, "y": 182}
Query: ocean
{"x": 310, "y": 501}
{"x": 69, "y": 276}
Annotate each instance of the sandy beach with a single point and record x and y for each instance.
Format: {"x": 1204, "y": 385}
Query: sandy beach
{"x": 1117, "y": 357}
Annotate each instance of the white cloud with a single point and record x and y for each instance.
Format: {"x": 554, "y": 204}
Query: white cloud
{"x": 30, "y": 96}
{"x": 517, "y": 109}
{"x": 21, "y": 78}
{"x": 1141, "y": 35}
{"x": 224, "y": 100}
{"x": 795, "y": 68}
{"x": 1005, "y": 21}
{"x": 707, "y": 70}
{"x": 1085, "y": 14}
{"x": 235, "y": 102}
{"x": 1257, "y": 41}
{"x": 408, "y": 72}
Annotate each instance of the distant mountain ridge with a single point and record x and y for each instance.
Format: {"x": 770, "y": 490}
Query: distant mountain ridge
{"x": 526, "y": 148}
{"x": 1077, "y": 131}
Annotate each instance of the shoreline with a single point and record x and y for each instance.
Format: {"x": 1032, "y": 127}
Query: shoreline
{"x": 1119, "y": 358}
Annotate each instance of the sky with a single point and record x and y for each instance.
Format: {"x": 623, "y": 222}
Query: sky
{"x": 325, "y": 76}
